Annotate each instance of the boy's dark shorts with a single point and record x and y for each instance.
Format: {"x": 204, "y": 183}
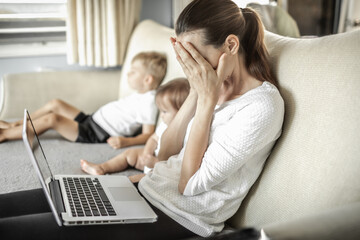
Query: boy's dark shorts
{"x": 89, "y": 131}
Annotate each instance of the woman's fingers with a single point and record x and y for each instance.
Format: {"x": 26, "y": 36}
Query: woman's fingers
{"x": 184, "y": 67}
{"x": 196, "y": 55}
{"x": 178, "y": 57}
{"x": 186, "y": 57}
{"x": 186, "y": 71}
{"x": 172, "y": 40}
{"x": 190, "y": 57}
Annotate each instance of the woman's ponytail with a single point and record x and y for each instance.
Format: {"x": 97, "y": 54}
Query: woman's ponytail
{"x": 253, "y": 47}
{"x": 219, "y": 19}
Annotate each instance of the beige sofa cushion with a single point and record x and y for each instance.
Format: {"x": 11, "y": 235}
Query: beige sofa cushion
{"x": 315, "y": 164}
{"x": 150, "y": 36}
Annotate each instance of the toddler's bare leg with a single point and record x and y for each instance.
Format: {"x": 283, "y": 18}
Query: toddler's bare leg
{"x": 66, "y": 127}
{"x": 116, "y": 164}
{"x": 133, "y": 158}
{"x": 91, "y": 168}
{"x": 122, "y": 161}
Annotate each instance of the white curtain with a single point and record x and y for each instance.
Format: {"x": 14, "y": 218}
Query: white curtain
{"x": 98, "y": 30}
{"x": 178, "y": 6}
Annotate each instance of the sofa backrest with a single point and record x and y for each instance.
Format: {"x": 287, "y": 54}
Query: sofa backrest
{"x": 150, "y": 36}
{"x": 315, "y": 164}
{"x": 32, "y": 90}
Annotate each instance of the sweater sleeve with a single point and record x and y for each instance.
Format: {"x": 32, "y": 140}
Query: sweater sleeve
{"x": 234, "y": 143}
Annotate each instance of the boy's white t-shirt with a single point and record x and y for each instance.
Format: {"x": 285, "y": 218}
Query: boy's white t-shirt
{"x": 125, "y": 116}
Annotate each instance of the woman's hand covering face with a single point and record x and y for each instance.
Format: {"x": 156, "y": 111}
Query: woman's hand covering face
{"x": 207, "y": 82}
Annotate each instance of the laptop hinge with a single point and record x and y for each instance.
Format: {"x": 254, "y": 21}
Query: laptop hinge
{"x": 55, "y": 192}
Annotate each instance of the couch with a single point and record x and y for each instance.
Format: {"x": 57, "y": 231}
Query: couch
{"x": 310, "y": 185}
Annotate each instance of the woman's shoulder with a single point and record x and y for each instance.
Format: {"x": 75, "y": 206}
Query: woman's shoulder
{"x": 266, "y": 94}
{"x": 267, "y": 99}
{"x": 266, "y": 89}
{"x": 261, "y": 109}
{"x": 263, "y": 102}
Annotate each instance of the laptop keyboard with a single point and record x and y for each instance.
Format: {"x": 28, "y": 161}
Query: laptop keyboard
{"x": 87, "y": 197}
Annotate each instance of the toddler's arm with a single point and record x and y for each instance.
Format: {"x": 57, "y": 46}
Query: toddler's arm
{"x": 151, "y": 144}
{"x": 120, "y": 142}
{"x": 148, "y": 160}
{"x": 172, "y": 139}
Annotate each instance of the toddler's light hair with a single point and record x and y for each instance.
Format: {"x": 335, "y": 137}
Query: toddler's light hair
{"x": 175, "y": 90}
{"x": 155, "y": 64}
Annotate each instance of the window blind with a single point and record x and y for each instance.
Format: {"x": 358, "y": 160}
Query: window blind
{"x": 32, "y": 21}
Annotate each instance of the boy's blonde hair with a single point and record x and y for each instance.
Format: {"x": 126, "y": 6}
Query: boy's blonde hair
{"x": 175, "y": 90}
{"x": 155, "y": 63}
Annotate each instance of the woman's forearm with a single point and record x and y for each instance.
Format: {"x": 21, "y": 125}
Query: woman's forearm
{"x": 173, "y": 137}
{"x": 197, "y": 142}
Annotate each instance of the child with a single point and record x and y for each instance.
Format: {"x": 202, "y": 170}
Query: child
{"x": 115, "y": 122}
{"x": 169, "y": 98}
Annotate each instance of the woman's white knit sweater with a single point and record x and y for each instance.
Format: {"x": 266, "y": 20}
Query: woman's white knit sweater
{"x": 243, "y": 132}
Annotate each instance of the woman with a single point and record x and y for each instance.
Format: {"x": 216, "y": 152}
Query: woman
{"x": 227, "y": 126}
{"x": 218, "y": 142}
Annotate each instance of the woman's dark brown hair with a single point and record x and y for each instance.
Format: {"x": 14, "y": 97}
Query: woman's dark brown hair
{"x": 219, "y": 19}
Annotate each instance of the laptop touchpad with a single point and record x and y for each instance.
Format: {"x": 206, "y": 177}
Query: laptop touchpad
{"x": 124, "y": 194}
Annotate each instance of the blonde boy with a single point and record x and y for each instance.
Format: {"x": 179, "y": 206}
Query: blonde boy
{"x": 114, "y": 123}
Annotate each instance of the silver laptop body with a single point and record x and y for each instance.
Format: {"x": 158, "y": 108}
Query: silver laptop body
{"x": 103, "y": 199}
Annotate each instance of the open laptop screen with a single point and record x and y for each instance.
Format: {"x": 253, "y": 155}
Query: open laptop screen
{"x": 36, "y": 153}
{"x": 37, "y": 149}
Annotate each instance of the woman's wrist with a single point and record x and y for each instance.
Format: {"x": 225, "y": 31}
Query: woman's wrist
{"x": 206, "y": 102}
{"x": 192, "y": 94}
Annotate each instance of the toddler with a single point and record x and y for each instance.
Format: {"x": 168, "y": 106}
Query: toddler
{"x": 169, "y": 98}
{"x": 116, "y": 122}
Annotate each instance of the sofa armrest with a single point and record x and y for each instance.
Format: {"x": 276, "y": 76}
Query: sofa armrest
{"x": 338, "y": 223}
{"x": 86, "y": 90}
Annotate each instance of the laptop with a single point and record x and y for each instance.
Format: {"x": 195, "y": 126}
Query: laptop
{"x": 84, "y": 199}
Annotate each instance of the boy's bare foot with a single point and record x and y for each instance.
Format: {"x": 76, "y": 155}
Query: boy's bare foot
{"x": 91, "y": 168}
{"x": 4, "y": 124}
{"x": 2, "y": 137}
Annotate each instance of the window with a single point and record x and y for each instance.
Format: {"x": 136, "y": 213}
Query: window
{"x": 32, "y": 23}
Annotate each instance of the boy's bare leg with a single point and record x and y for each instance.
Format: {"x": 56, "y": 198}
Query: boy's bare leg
{"x": 56, "y": 106}
{"x": 4, "y": 124}
{"x": 116, "y": 164}
{"x": 67, "y": 128}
